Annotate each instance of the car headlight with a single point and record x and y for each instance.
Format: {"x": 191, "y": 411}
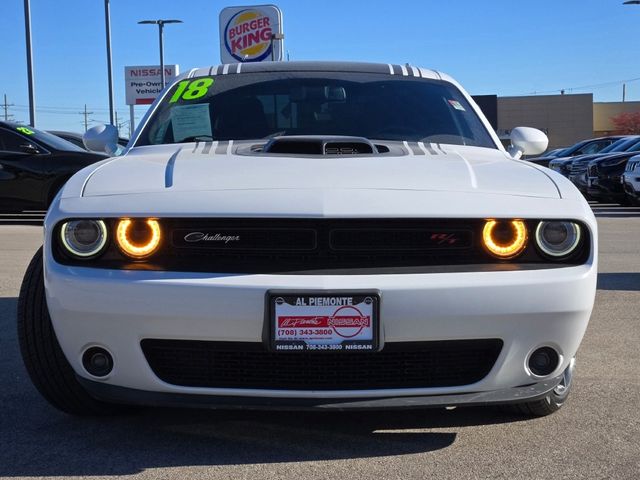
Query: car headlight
{"x": 505, "y": 239}
{"x": 84, "y": 238}
{"x": 138, "y": 238}
{"x": 557, "y": 238}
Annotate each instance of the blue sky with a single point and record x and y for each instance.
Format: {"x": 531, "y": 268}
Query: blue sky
{"x": 495, "y": 46}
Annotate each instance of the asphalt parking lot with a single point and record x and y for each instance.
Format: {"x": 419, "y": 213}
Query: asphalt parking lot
{"x": 596, "y": 435}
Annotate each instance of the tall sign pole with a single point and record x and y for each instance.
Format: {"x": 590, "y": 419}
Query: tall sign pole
{"x": 161, "y": 23}
{"x": 161, "y": 38}
{"x": 107, "y": 23}
{"x": 27, "y": 28}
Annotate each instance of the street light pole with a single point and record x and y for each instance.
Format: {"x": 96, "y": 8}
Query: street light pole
{"x": 161, "y": 39}
{"x": 107, "y": 23}
{"x": 161, "y": 24}
{"x": 27, "y": 28}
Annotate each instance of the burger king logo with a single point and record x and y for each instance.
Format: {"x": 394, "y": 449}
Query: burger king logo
{"x": 247, "y": 35}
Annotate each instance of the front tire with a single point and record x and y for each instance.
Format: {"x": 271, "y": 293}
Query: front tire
{"x": 46, "y": 364}
{"x": 551, "y": 403}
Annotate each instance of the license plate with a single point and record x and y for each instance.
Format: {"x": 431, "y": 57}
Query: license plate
{"x": 324, "y": 322}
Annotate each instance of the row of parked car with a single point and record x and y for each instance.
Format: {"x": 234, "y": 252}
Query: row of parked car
{"x": 604, "y": 169}
{"x": 34, "y": 165}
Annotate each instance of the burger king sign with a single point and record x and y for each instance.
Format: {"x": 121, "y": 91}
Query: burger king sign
{"x": 246, "y": 34}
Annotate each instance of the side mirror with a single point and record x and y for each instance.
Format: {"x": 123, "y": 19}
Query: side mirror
{"x": 527, "y": 141}
{"x": 101, "y": 138}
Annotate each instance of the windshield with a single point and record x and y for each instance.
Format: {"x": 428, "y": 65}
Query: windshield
{"x": 48, "y": 140}
{"x": 262, "y": 105}
{"x": 633, "y": 148}
{"x": 620, "y": 145}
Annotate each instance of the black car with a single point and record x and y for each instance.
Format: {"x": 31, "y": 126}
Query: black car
{"x": 34, "y": 165}
{"x": 604, "y": 177}
{"x": 563, "y": 164}
{"x": 585, "y": 147}
{"x": 578, "y": 168}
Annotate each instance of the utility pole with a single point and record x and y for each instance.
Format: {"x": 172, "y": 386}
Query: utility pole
{"x": 6, "y": 106}
{"x": 624, "y": 92}
{"x": 116, "y": 124}
{"x": 86, "y": 117}
{"x": 27, "y": 30}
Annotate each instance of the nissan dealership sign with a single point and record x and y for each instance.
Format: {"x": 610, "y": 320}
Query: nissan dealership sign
{"x": 251, "y": 34}
{"x": 143, "y": 83}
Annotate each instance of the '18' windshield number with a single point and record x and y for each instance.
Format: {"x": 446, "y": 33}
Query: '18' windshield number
{"x": 191, "y": 89}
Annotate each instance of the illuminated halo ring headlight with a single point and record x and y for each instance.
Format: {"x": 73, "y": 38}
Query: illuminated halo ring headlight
{"x": 84, "y": 238}
{"x": 138, "y": 238}
{"x": 505, "y": 239}
{"x": 558, "y": 238}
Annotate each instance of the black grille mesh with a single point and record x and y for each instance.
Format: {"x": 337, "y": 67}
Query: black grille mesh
{"x": 248, "y": 365}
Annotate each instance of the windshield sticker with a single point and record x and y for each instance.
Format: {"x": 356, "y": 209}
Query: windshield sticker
{"x": 192, "y": 89}
{"x": 457, "y": 105}
{"x": 25, "y": 130}
{"x": 189, "y": 122}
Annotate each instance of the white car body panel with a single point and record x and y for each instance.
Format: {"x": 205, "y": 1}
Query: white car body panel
{"x": 118, "y": 308}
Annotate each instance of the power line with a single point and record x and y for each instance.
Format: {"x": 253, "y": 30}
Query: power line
{"x": 586, "y": 87}
{"x": 60, "y": 109}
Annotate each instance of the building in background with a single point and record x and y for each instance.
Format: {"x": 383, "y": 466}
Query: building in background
{"x": 603, "y": 112}
{"x": 566, "y": 119}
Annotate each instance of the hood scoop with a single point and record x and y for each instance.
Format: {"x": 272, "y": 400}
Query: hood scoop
{"x": 321, "y": 145}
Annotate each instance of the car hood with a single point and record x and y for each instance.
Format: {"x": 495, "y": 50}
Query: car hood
{"x": 613, "y": 156}
{"x": 219, "y": 167}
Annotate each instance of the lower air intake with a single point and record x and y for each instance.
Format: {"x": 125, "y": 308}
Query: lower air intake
{"x": 248, "y": 365}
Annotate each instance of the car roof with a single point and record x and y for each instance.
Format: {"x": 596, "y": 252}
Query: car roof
{"x": 356, "y": 67}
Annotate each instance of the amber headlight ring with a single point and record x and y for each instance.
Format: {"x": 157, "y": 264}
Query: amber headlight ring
{"x": 138, "y": 238}
{"x": 505, "y": 239}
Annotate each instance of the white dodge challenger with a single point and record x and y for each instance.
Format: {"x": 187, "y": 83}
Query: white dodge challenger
{"x": 298, "y": 235}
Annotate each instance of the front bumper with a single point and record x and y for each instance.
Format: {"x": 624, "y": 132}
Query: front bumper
{"x": 580, "y": 181}
{"x": 130, "y": 396}
{"x": 117, "y": 309}
{"x": 608, "y": 188}
{"x": 632, "y": 185}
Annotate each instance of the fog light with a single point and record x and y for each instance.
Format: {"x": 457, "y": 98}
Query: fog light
{"x": 97, "y": 361}
{"x": 558, "y": 239}
{"x": 84, "y": 238}
{"x": 505, "y": 239}
{"x": 543, "y": 361}
{"x": 138, "y": 238}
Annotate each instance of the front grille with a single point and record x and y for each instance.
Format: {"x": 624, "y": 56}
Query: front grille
{"x": 243, "y": 365}
{"x": 304, "y": 245}
{"x": 632, "y": 165}
{"x": 578, "y": 168}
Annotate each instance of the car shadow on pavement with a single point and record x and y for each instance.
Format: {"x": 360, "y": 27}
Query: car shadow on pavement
{"x": 619, "y": 281}
{"x": 37, "y": 440}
